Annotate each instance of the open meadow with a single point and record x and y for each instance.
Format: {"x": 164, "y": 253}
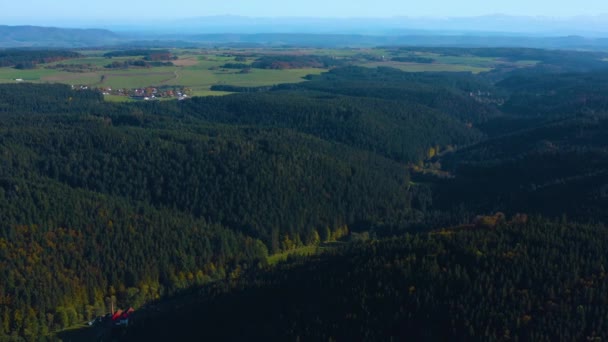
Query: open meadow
{"x": 197, "y": 70}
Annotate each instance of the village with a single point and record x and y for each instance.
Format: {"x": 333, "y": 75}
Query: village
{"x": 143, "y": 94}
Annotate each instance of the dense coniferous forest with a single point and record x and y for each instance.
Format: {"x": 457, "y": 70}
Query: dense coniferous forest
{"x": 437, "y": 206}
{"x": 295, "y": 62}
{"x": 133, "y": 53}
{"x": 26, "y": 59}
{"x": 520, "y": 280}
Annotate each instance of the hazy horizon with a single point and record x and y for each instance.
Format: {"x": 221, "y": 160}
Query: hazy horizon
{"x": 591, "y": 26}
{"x": 40, "y": 11}
{"x": 82, "y": 22}
{"x": 383, "y": 17}
{"x": 22, "y": 21}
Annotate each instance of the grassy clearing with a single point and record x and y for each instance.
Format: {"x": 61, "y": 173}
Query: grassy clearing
{"x": 209, "y": 93}
{"x": 302, "y": 251}
{"x": 130, "y": 80}
{"x": 186, "y": 61}
{"x": 201, "y": 79}
{"x": 89, "y": 78}
{"x": 117, "y": 98}
{"x": 525, "y": 63}
{"x": 472, "y": 61}
{"x": 423, "y": 67}
{"x": 8, "y": 75}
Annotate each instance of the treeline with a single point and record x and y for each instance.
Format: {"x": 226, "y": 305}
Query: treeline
{"x": 135, "y": 53}
{"x": 28, "y": 59}
{"x": 150, "y": 58}
{"x": 236, "y": 66}
{"x": 126, "y": 64}
{"x": 136, "y": 63}
{"x": 296, "y": 62}
{"x": 73, "y": 67}
{"x": 18, "y": 103}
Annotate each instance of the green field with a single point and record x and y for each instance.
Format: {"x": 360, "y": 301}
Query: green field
{"x": 424, "y": 67}
{"x": 8, "y": 75}
{"x": 198, "y": 70}
{"x": 525, "y": 63}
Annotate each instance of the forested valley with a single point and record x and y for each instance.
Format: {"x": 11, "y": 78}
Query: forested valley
{"x": 437, "y": 206}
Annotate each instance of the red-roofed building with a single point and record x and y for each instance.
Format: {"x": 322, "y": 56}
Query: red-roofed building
{"x": 121, "y": 318}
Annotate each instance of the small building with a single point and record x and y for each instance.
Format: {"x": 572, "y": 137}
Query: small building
{"x": 121, "y": 318}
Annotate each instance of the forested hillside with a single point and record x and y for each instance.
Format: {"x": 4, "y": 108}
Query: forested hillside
{"x": 521, "y": 280}
{"x": 448, "y": 93}
{"x": 437, "y": 206}
{"x": 550, "y": 155}
{"x": 207, "y": 187}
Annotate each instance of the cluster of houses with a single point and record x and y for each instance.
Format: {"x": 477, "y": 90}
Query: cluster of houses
{"x": 151, "y": 93}
{"x": 144, "y": 94}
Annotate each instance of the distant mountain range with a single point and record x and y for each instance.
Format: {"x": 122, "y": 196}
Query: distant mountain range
{"x": 592, "y": 26}
{"x": 345, "y": 40}
{"x": 36, "y": 36}
{"x": 496, "y": 24}
{"x": 241, "y": 31}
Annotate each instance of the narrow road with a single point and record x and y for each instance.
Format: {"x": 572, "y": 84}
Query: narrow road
{"x": 174, "y": 78}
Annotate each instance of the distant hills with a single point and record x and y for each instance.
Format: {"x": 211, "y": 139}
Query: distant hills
{"x": 494, "y": 24}
{"x": 343, "y": 40}
{"x": 497, "y": 24}
{"x": 307, "y": 32}
{"x": 36, "y": 36}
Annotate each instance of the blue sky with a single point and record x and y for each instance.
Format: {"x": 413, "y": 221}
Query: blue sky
{"x": 45, "y": 10}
